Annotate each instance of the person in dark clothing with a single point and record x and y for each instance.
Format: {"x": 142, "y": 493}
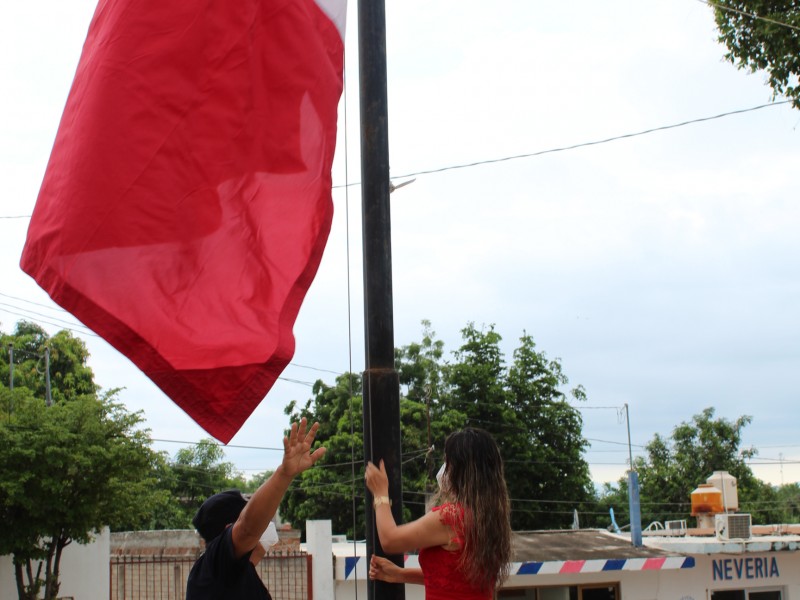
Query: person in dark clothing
{"x": 232, "y": 526}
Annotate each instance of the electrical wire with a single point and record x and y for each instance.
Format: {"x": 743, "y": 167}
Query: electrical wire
{"x": 350, "y": 391}
{"x": 579, "y": 145}
{"x": 747, "y": 14}
{"x": 615, "y": 138}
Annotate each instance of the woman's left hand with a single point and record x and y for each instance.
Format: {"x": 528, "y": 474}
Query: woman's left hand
{"x": 377, "y": 479}
{"x": 383, "y": 569}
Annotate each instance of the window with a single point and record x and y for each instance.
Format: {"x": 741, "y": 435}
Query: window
{"x": 755, "y": 594}
{"x": 597, "y": 591}
{"x": 604, "y": 592}
{"x": 728, "y": 595}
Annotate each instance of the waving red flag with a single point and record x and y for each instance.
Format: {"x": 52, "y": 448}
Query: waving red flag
{"x": 187, "y": 201}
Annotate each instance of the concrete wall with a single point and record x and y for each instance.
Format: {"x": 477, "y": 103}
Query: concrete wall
{"x": 167, "y": 542}
{"x": 84, "y": 571}
{"x": 183, "y": 543}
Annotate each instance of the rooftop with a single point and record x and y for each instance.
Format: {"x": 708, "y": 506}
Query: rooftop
{"x": 580, "y": 544}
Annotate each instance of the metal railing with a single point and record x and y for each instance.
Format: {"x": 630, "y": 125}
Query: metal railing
{"x": 286, "y": 575}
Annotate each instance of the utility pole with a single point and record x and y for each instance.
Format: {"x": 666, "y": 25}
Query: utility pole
{"x": 381, "y": 381}
{"x": 634, "y": 501}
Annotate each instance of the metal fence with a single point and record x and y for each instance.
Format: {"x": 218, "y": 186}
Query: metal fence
{"x": 286, "y": 575}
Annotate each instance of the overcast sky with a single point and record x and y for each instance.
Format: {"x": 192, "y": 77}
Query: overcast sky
{"x": 661, "y": 269}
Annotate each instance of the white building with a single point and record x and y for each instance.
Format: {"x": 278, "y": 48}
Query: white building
{"x": 761, "y": 563}
{"x": 725, "y": 558}
{"x": 598, "y": 565}
{"x": 80, "y": 576}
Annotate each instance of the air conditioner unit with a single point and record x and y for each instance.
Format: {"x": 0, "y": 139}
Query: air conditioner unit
{"x": 675, "y": 527}
{"x": 733, "y": 526}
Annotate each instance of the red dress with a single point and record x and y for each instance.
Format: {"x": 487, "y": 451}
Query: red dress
{"x": 443, "y": 579}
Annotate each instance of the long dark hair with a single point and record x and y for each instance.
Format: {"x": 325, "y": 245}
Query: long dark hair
{"x": 474, "y": 478}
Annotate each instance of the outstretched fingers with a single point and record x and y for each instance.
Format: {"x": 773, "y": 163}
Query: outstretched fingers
{"x": 296, "y": 433}
{"x": 317, "y": 454}
{"x": 297, "y": 454}
{"x": 312, "y": 433}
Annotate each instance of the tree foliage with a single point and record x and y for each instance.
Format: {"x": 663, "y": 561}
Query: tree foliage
{"x": 328, "y": 490}
{"x": 546, "y": 468}
{"x": 183, "y": 482}
{"x": 70, "y": 376}
{"x": 199, "y": 472}
{"x": 788, "y": 499}
{"x": 522, "y": 405}
{"x": 763, "y": 35}
{"x": 66, "y": 470}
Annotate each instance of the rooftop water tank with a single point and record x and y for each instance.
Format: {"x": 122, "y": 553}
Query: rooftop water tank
{"x": 706, "y": 500}
{"x": 725, "y": 482}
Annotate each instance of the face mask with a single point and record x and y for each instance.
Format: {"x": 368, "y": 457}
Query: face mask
{"x": 270, "y": 537}
{"x": 440, "y": 475}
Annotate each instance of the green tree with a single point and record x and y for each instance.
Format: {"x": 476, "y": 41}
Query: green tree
{"x": 334, "y": 489}
{"x": 167, "y": 511}
{"x": 66, "y": 471}
{"x": 186, "y": 480}
{"x": 763, "y": 35}
{"x": 70, "y": 376}
{"x": 788, "y": 498}
{"x": 195, "y": 473}
{"x": 522, "y": 406}
{"x": 538, "y": 431}
{"x": 547, "y": 474}
{"x": 254, "y": 482}
{"x": 675, "y": 466}
{"x": 476, "y": 382}
{"x": 427, "y": 414}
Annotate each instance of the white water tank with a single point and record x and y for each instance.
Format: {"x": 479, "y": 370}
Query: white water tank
{"x": 726, "y": 483}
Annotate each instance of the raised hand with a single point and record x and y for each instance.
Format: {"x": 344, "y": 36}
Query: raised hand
{"x": 377, "y": 479}
{"x": 297, "y": 455}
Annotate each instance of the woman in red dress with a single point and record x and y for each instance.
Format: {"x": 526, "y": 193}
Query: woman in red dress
{"x": 464, "y": 543}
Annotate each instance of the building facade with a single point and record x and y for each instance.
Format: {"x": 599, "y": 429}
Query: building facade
{"x": 598, "y": 565}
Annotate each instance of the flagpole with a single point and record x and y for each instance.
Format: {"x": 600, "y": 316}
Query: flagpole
{"x": 381, "y": 382}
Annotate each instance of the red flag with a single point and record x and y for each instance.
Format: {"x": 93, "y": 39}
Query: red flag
{"x": 187, "y": 201}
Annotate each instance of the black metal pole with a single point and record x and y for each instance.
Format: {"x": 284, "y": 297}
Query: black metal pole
{"x": 381, "y": 383}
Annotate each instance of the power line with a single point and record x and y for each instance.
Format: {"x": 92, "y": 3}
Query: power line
{"x": 56, "y": 307}
{"x": 315, "y": 369}
{"x": 85, "y": 330}
{"x": 582, "y": 144}
{"x": 747, "y": 14}
{"x": 37, "y": 321}
{"x": 594, "y": 143}
{"x": 185, "y": 443}
{"x": 573, "y": 146}
{"x": 68, "y": 323}
{"x": 753, "y": 462}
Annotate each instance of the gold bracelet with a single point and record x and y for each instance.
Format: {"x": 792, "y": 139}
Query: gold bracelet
{"x": 381, "y": 500}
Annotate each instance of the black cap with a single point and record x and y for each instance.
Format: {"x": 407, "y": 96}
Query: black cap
{"x": 217, "y": 512}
